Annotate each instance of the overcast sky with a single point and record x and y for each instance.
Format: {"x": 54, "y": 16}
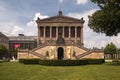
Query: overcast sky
{"x": 18, "y": 16}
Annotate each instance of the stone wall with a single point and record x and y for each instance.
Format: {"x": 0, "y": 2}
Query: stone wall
{"x": 68, "y": 53}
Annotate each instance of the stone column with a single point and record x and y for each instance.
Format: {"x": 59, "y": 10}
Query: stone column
{"x": 63, "y": 32}
{"x": 44, "y": 33}
{"x": 81, "y": 35}
{"x": 50, "y": 32}
{"x": 38, "y": 37}
{"x": 75, "y": 34}
{"x": 56, "y": 32}
{"x": 69, "y": 33}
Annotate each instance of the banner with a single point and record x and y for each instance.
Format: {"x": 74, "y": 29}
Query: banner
{"x": 17, "y": 46}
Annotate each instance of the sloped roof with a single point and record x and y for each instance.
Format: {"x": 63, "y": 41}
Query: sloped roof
{"x": 22, "y": 38}
{"x": 60, "y": 18}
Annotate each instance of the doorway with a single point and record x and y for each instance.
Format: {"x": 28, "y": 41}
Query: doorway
{"x": 60, "y": 54}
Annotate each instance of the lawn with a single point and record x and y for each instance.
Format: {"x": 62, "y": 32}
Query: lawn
{"x": 18, "y": 71}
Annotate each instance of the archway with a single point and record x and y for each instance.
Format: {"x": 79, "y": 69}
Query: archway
{"x": 60, "y": 54}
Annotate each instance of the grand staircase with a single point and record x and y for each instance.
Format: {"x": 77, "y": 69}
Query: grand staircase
{"x": 38, "y": 54}
{"x": 46, "y": 44}
{"x": 84, "y": 54}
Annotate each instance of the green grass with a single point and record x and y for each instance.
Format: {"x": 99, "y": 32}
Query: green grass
{"x": 18, "y": 71}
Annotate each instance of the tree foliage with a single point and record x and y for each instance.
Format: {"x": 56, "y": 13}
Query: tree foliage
{"x": 15, "y": 51}
{"x": 3, "y": 50}
{"x": 107, "y": 19}
{"x": 110, "y": 49}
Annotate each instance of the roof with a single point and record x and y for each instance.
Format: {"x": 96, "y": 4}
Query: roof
{"x": 60, "y": 18}
{"x": 2, "y": 35}
{"x": 22, "y": 38}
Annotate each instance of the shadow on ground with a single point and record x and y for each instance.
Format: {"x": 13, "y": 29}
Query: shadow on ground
{"x": 114, "y": 63}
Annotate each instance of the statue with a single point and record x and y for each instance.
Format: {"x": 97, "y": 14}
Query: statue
{"x": 68, "y": 52}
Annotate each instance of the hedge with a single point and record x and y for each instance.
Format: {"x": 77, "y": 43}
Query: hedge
{"x": 61, "y": 62}
{"x": 29, "y": 61}
{"x": 95, "y": 61}
{"x": 1, "y": 61}
{"x": 21, "y": 60}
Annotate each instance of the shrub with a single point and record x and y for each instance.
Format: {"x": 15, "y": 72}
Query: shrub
{"x": 21, "y": 60}
{"x": 95, "y": 61}
{"x": 115, "y": 60}
{"x": 62, "y": 62}
{"x": 1, "y": 61}
{"x": 29, "y": 61}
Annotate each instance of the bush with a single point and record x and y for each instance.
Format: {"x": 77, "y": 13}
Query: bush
{"x": 21, "y": 60}
{"x": 95, "y": 61}
{"x": 1, "y": 61}
{"x": 115, "y": 60}
{"x": 29, "y": 61}
{"x": 62, "y": 62}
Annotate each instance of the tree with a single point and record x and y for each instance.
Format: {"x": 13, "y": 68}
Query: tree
{"x": 110, "y": 49}
{"x": 3, "y": 51}
{"x": 15, "y": 51}
{"x": 107, "y": 19}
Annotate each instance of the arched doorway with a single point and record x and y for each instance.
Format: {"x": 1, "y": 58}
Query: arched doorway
{"x": 60, "y": 52}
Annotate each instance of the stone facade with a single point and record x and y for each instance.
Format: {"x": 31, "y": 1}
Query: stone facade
{"x": 4, "y": 40}
{"x": 61, "y": 37}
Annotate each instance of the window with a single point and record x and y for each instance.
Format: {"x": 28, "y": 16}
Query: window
{"x": 47, "y": 31}
{"x": 53, "y": 31}
{"x": 60, "y": 31}
{"x": 78, "y": 31}
{"x": 72, "y": 31}
{"x": 66, "y": 31}
{"x": 41, "y": 31}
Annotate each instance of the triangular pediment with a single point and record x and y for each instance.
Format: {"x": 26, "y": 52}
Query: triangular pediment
{"x": 60, "y": 19}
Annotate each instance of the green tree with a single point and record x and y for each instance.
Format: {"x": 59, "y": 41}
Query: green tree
{"x": 110, "y": 49}
{"x": 15, "y": 51}
{"x": 107, "y": 19}
{"x": 3, "y": 51}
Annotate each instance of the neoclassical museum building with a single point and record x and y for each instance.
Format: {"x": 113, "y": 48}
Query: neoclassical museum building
{"x": 60, "y": 37}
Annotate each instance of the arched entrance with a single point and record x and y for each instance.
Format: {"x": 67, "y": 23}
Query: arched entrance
{"x": 60, "y": 53}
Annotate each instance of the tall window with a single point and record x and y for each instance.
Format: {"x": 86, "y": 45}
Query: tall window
{"x": 66, "y": 31}
{"x": 78, "y": 31}
{"x": 47, "y": 31}
{"x": 72, "y": 31}
{"x": 53, "y": 31}
{"x": 41, "y": 31}
{"x": 60, "y": 31}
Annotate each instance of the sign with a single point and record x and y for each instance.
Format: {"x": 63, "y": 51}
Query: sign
{"x": 17, "y": 46}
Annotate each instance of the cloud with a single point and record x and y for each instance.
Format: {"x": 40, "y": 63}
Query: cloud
{"x": 60, "y": 1}
{"x": 40, "y": 16}
{"x": 92, "y": 39}
{"x": 32, "y": 26}
{"x": 33, "y": 23}
{"x": 16, "y": 30}
{"x": 82, "y": 1}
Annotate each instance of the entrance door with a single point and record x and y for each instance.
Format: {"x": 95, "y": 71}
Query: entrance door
{"x": 60, "y": 54}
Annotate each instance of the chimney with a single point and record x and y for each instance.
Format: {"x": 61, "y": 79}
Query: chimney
{"x": 21, "y": 35}
{"x": 60, "y": 13}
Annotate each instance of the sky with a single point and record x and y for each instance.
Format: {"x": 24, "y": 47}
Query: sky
{"x": 18, "y": 16}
